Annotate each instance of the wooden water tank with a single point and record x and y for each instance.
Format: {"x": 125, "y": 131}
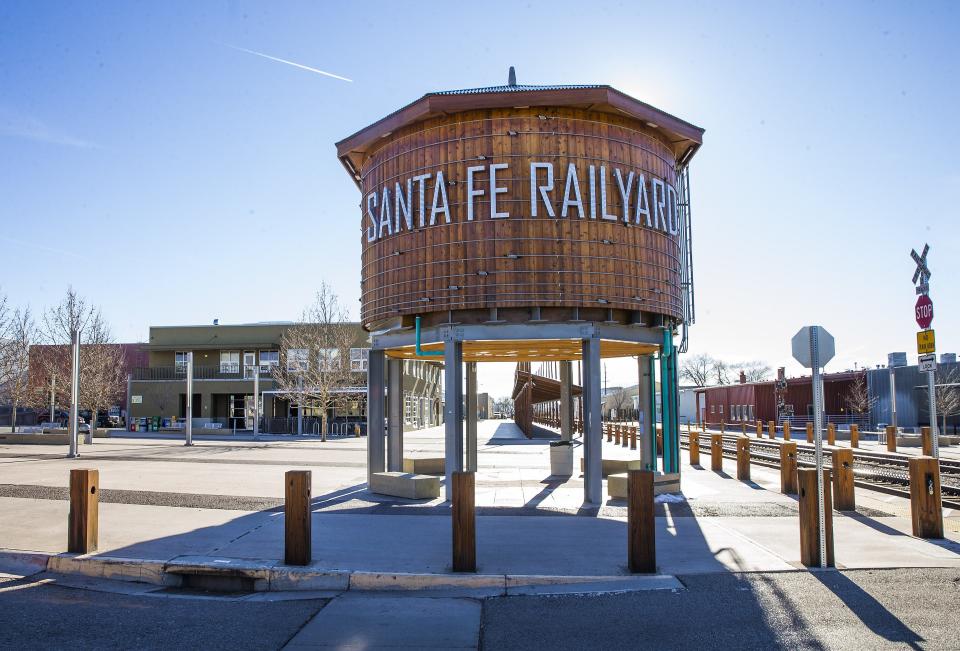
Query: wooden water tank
{"x": 521, "y": 203}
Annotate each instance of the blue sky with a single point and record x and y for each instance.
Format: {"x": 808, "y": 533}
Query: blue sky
{"x": 172, "y": 178}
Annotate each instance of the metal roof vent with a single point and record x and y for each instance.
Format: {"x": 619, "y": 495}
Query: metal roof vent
{"x": 512, "y": 77}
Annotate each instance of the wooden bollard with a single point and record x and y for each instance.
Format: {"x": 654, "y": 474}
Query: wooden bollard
{"x": 926, "y": 441}
{"x": 723, "y": 427}
{"x": 297, "y": 546}
{"x": 809, "y": 432}
{"x": 788, "y": 468}
{"x": 759, "y": 429}
{"x": 716, "y": 452}
{"x": 659, "y": 440}
{"x": 694, "y": 448}
{"x": 624, "y": 436}
{"x": 843, "y": 494}
{"x": 743, "y": 458}
{"x": 809, "y": 518}
{"x": 356, "y": 430}
{"x": 891, "y": 438}
{"x": 609, "y": 434}
{"x": 786, "y": 430}
{"x": 854, "y": 436}
{"x": 831, "y": 434}
{"x": 925, "y": 506}
{"x": 703, "y": 426}
{"x": 641, "y": 543}
{"x": 616, "y": 434}
{"x": 464, "y": 523}
{"x": 633, "y": 438}
{"x": 83, "y": 526}
{"x": 743, "y": 427}
{"x": 772, "y": 429}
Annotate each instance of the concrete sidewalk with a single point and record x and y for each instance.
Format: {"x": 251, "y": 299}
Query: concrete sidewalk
{"x": 174, "y": 506}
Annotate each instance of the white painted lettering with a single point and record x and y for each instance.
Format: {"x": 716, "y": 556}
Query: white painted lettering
{"x": 572, "y": 183}
{"x": 494, "y": 191}
{"x": 439, "y": 200}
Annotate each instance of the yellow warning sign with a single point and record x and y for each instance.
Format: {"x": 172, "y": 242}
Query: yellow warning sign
{"x": 926, "y": 342}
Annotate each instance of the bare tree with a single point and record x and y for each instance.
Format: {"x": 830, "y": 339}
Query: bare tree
{"x": 755, "y": 371}
{"x": 315, "y": 360}
{"x": 15, "y": 360}
{"x": 621, "y": 401}
{"x": 101, "y": 360}
{"x": 858, "y": 398}
{"x": 102, "y": 380}
{"x": 504, "y": 406}
{"x": 947, "y": 394}
{"x": 721, "y": 371}
{"x": 697, "y": 369}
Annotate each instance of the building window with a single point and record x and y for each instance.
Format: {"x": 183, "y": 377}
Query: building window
{"x": 180, "y": 361}
{"x": 751, "y": 413}
{"x": 229, "y": 361}
{"x": 713, "y": 409}
{"x": 298, "y": 359}
{"x": 269, "y": 360}
{"x": 359, "y": 359}
{"x": 721, "y": 409}
{"x": 328, "y": 359}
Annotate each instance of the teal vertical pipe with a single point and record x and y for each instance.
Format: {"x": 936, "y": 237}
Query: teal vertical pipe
{"x": 651, "y": 423}
{"x": 666, "y": 400}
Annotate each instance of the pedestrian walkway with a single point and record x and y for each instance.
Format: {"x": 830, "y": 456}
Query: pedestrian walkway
{"x": 170, "y": 502}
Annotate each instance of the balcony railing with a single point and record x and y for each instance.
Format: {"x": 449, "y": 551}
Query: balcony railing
{"x": 179, "y": 373}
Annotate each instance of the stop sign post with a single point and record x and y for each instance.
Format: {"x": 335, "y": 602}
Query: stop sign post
{"x": 813, "y": 347}
{"x": 923, "y": 311}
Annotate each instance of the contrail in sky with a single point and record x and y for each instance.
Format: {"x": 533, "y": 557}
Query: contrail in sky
{"x": 290, "y": 63}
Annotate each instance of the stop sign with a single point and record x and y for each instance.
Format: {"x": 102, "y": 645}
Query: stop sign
{"x": 924, "y": 311}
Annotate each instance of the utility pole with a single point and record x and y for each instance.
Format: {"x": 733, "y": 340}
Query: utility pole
{"x": 189, "y": 410}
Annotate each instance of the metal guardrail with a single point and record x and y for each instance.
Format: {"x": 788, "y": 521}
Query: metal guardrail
{"x": 179, "y": 374}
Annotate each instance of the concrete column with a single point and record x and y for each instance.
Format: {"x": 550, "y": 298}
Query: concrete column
{"x": 566, "y": 401}
{"x": 375, "y": 409}
{"x": 592, "y": 434}
{"x": 645, "y": 439}
{"x": 453, "y": 411}
{"x": 471, "y": 417}
{"x": 395, "y": 415}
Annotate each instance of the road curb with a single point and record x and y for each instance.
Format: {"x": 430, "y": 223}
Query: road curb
{"x": 272, "y": 576}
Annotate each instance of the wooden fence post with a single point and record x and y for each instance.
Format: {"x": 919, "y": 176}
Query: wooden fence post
{"x": 809, "y": 432}
{"x": 854, "y": 436}
{"x": 809, "y": 517}
{"x": 891, "y": 438}
{"x": 723, "y": 427}
{"x": 743, "y": 458}
{"x": 659, "y": 440}
{"x": 609, "y": 431}
{"x": 925, "y": 506}
{"x": 772, "y": 429}
{"x": 616, "y": 434}
{"x": 296, "y": 510}
{"x": 843, "y": 494}
{"x": 464, "y": 523}
{"x": 716, "y": 452}
{"x": 641, "y": 546}
{"x": 83, "y": 526}
{"x": 743, "y": 427}
{"x": 831, "y": 434}
{"x": 788, "y": 468}
{"x": 759, "y": 429}
{"x": 786, "y": 430}
{"x": 633, "y": 438}
{"x": 926, "y": 441}
{"x": 694, "y": 446}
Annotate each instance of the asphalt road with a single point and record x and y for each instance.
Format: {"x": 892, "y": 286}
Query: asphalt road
{"x": 866, "y": 609}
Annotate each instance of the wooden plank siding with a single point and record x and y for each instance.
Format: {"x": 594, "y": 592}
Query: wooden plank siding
{"x": 566, "y": 263}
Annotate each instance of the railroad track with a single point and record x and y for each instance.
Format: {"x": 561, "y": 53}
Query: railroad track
{"x": 877, "y": 471}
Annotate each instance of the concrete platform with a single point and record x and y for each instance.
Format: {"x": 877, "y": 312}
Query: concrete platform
{"x": 161, "y": 502}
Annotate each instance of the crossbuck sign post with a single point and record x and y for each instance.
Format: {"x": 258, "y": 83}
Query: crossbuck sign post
{"x": 814, "y": 347}
{"x": 924, "y": 315}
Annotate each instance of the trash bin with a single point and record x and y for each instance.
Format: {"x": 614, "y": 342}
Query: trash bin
{"x": 561, "y": 458}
